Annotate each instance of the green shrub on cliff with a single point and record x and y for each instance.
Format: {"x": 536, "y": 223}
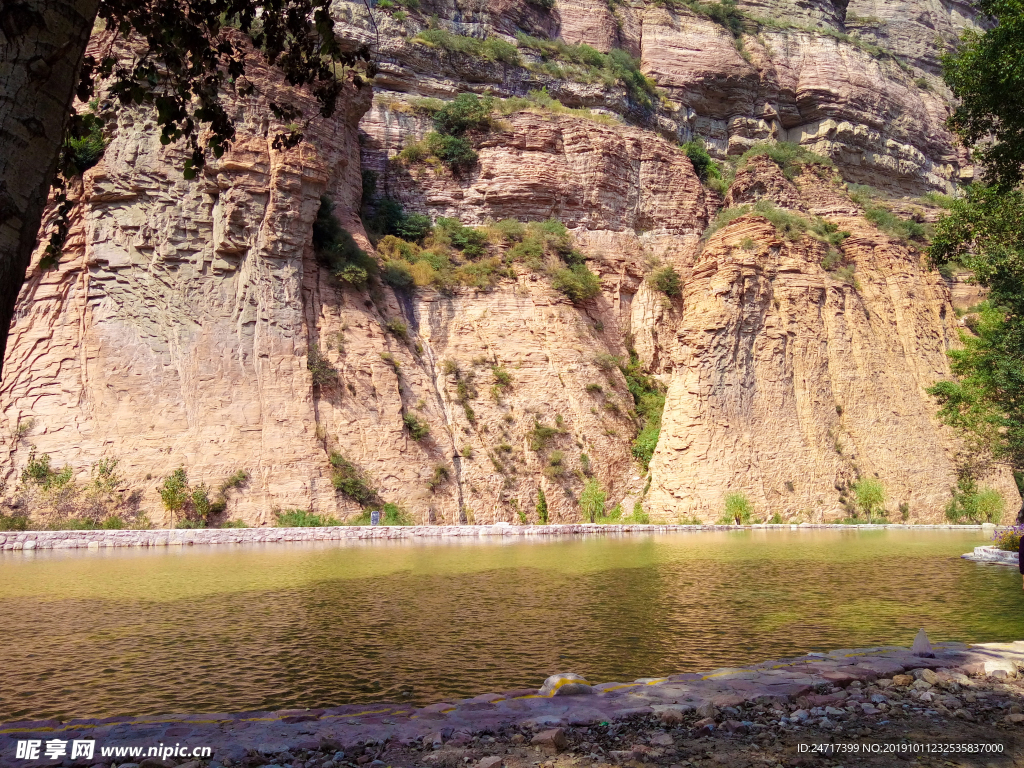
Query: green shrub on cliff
{"x": 320, "y": 369}
{"x": 466, "y": 112}
{"x": 337, "y": 251}
{"x": 82, "y": 152}
{"x": 703, "y": 165}
{"x": 791, "y": 158}
{"x": 667, "y": 280}
{"x": 891, "y": 224}
{"x": 447, "y": 143}
{"x": 470, "y": 240}
{"x": 873, "y": 201}
{"x": 583, "y": 63}
{"x": 490, "y": 49}
{"x": 390, "y": 218}
{"x": 418, "y": 428}
{"x": 455, "y": 152}
{"x": 577, "y": 282}
{"x": 649, "y": 401}
{"x": 541, "y": 101}
{"x": 397, "y": 275}
{"x": 347, "y": 478}
{"x": 303, "y": 518}
{"x": 724, "y": 217}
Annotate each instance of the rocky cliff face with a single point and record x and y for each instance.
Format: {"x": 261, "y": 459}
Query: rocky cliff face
{"x": 177, "y": 330}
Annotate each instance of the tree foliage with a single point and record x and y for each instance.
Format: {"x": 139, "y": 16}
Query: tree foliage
{"x": 668, "y": 281}
{"x": 592, "y": 501}
{"x": 187, "y": 59}
{"x": 985, "y": 233}
{"x": 577, "y": 282}
{"x": 985, "y": 403}
{"x": 542, "y": 507}
{"x": 180, "y": 59}
{"x": 870, "y": 495}
{"x": 986, "y": 73}
{"x": 466, "y": 112}
{"x": 737, "y": 508}
{"x": 703, "y": 165}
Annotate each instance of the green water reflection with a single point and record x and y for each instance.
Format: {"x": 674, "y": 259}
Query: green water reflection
{"x": 227, "y": 629}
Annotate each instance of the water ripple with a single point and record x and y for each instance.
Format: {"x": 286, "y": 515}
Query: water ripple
{"x": 289, "y": 626}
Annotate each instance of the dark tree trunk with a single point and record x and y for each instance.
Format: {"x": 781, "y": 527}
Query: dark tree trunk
{"x": 1020, "y": 515}
{"x": 42, "y": 43}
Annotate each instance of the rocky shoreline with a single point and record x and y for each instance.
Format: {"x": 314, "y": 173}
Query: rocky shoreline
{"x": 41, "y": 540}
{"x": 756, "y": 715}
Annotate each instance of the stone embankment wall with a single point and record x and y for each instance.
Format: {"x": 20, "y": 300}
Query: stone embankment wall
{"x": 32, "y": 540}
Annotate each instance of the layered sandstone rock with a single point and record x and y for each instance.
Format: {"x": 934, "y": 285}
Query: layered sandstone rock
{"x": 177, "y": 330}
{"x": 811, "y": 73}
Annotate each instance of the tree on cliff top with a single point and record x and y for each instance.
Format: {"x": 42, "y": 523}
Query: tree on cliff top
{"x": 181, "y": 60}
{"x": 984, "y": 232}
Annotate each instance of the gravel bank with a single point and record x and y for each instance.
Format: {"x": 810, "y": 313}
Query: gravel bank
{"x": 744, "y": 717}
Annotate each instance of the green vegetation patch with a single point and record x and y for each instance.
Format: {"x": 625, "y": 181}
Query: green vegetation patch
{"x": 542, "y": 507}
{"x": 542, "y": 102}
{"x": 391, "y": 514}
{"x": 725, "y": 13}
{"x": 81, "y": 152}
{"x": 649, "y": 400}
{"x": 337, "y": 251}
{"x": 738, "y": 509}
{"x": 347, "y": 478}
{"x": 303, "y": 518}
{"x": 791, "y": 158}
{"x": 707, "y": 170}
{"x": 904, "y": 230}
{"x": 577, "y": 282}
{"x": 582, "y": 63}
{"x": 453, "y": 254}
{"x": 466, "y": 112}
{"x": 448, "y": 144}
{"x": 870, "y": 496}
{"x": 390, "y": 218}
{"x": 192, "y": 506}
{"x": 592, "y": 501}
{"x": 794, "y": 226}
{"x": 974, "y": 504}
{"x": 489, "y": 49}
{"x": 668, "y": 281}
{"x": 418, "y": 428}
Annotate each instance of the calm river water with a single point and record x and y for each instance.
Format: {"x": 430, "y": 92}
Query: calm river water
{"x": 228, "y": 629}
